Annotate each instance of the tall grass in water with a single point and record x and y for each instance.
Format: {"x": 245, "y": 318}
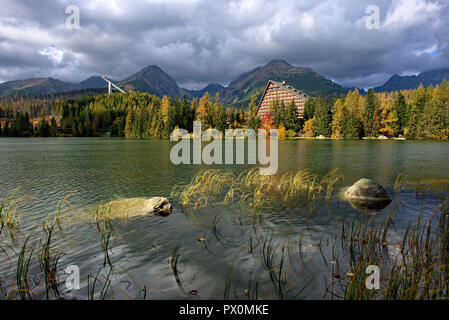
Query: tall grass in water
{"x": 276, "y": 261}
{"x": 37, "y": 272}
{"x": 417, "y": 267}
{"x": 206, "y": 186}
{"x": 24, "y": 261}
{"x": 254, "y": 191}
{"x": 175, "y": 264}
{"x": 101, "y": 285}
{"x": 93, "y": 281}
{"x": 49, "y": 259}
{"x": 8, "y": 213}
{"x": 105, "y": 228}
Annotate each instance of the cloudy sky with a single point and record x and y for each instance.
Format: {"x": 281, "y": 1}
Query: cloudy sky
{"x": 199, "y": 41}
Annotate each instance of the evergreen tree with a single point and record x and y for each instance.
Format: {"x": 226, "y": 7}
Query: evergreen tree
{"x": 309, "y": 109}
{"x": 323, "y": 118}
{"x": 222, "y": 119}
{"x": 352, "y": 128}
{"x": 400, "y": 113}
{"x": 53, "y": 127}
{"x": 5, "y": 132}
{"x": 88, "y": 132}
{"x": 370, "y": 112}
{"x": 44, "y": 129}
{"x": 253, "y": 118}
{"x": 187, "y": 117}
{"x": 291, "y": 120}
{"x": 413, "y": 124}
{"x": 277, "y": 112}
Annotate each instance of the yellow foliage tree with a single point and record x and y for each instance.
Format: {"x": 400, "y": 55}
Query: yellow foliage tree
{"x": 387, "y": 116}
{"x": 309, "y": 127}
{"x": 282, "y": 132}
{"x": 203, "y": 113}
{"x": 337, "y": 121}
{"x": 165, "y": 108}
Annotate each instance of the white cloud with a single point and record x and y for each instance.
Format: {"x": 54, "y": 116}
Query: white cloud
{"x": 406, "y": 13}
{"x": 307, "y": 21}
{"x": 54, "y": 55}
{"x": 433, "y": 50}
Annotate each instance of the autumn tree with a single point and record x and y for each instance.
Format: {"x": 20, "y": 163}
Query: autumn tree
{"x": 309, "y": 128}
{"x": 338, "y": 119}
{"x": 204, "y": 112}
{"x": 387, "y": 116}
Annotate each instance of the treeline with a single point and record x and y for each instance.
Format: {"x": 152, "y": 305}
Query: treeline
{"x": 142, "y": 115}
{"x": 20, "y": 125}
{"x": 415, "y": 114}
{"x": 42, "y": 105}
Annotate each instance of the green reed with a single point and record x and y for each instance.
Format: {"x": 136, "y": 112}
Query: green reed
{"x": 104, "y": 226}
{"x": 275, "y": 260}
{"x": 175, "y": 262}
{"x": 94, "y": 281}
{"x": 8, "y": 213}
{"x": 49, "y": 260}
{"x": 416, "y": 267}
{"x": 24, "y": 261}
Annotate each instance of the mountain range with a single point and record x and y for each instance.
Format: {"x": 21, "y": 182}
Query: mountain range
{"x": 427, "y": 78}
{"x": 154, "y": 80}
{"x": 38, "y": 86}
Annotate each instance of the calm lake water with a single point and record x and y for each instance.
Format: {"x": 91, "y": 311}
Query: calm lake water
{"x": 94, "y": 171}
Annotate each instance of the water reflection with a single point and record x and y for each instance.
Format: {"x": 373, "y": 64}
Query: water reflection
{"x": 369, "y": 205}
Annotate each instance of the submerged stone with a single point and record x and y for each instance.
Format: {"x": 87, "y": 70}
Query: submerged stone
{"x": 133, "y": 207}
{"x": 367, "y": 194}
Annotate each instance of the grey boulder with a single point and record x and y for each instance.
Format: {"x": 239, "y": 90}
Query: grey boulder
{"x": 367, "y": 194}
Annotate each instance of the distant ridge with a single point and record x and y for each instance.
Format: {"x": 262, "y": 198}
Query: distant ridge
{"x": 42, "y": 86}
{"x": 212, "y": 89}
{"x": 427, "y": 78}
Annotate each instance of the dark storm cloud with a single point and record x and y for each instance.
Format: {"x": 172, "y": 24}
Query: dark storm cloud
{"x": 201, "y": 41}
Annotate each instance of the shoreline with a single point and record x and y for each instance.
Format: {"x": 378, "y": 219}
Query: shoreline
{"x": 191, "y": 138}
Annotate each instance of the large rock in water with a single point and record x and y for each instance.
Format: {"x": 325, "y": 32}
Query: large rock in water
{"x": 367, "y": 194}
{"x": 134, "y": 207}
